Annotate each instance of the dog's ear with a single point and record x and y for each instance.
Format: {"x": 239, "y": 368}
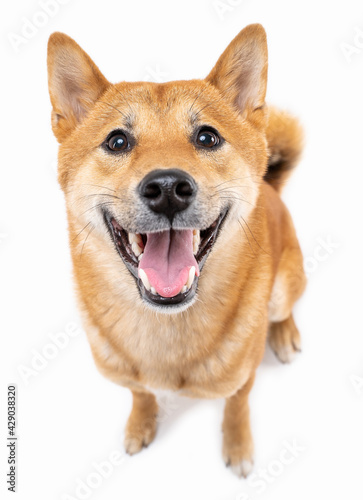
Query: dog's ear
{"x": 241, "y": 71}
{"x": 75, "y": 83}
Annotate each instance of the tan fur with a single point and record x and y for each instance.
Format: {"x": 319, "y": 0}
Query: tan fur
{"x": 254, "y": 273}
{"x": 285, "y": 140}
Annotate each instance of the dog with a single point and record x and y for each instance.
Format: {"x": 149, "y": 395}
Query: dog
{"x": 185, "y": 258}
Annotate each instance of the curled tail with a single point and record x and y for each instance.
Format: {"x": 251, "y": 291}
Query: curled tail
{"x": 285, "y": 142}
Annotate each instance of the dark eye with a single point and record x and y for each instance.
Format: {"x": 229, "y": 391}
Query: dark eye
{"x": 118, "y": 142}
{"x": 208, "y": 138}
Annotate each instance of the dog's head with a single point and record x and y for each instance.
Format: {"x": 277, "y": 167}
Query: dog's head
{"x": 161, "y": 172}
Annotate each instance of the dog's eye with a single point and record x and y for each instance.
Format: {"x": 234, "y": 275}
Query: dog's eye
{"x": 207, "y": 138}
{"x": 117, "y": 142}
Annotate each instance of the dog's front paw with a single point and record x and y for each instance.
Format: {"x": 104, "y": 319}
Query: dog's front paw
{"x": 136, "y": 440}
{"x": 238, "y": 452}
{"x": 141, "y": 425}
{"x": 284, "y": 339}
{"x": 242, "y": 468}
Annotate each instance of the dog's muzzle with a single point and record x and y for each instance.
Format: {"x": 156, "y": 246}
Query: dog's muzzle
{"x": 165, "y": 263}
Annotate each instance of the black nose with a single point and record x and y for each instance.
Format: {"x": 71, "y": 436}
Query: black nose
{"x": 168, "y": 191}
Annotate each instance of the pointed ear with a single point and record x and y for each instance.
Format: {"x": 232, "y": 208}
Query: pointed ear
{"x": 75, "y": 83}
{"x": 241, "y": 71}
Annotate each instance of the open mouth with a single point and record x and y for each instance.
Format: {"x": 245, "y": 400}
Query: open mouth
{"x": 166, "y": 265}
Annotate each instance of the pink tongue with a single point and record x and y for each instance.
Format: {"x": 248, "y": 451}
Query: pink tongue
{"x": 168, "y": 257}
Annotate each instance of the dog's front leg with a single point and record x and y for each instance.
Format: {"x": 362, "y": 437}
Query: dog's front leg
{"x": 237, "y": 437}
{"x": 141, "y": 425}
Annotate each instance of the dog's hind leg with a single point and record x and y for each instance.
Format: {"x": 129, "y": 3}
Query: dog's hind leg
{"x": 284, "y": 337}
{"x": 141, "y": 425}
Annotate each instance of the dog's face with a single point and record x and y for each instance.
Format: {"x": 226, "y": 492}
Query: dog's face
{"x": 161, "y": 172}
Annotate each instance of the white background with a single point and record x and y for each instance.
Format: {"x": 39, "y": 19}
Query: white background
{"x": 69, "y": 416}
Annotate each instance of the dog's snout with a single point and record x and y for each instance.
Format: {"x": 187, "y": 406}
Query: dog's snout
{"x": 168, "y": 191}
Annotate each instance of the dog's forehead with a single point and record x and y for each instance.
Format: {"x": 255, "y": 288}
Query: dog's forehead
{"x": 177, "y": 101}
{"x": 162, "y": 94}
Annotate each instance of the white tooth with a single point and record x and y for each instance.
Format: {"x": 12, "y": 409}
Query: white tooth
{"x": 144, "y": 279}
{"x": 184, "y": 289}
{"x": 135, "y": 238}
{"x": 132, "y": 238}
{"x": 140, "y": 256}
{"x": 196, "y": 240}
{"x": 190, "y": 277}
{"x": 136, "y": 249}
{"x": 153, "y": 290}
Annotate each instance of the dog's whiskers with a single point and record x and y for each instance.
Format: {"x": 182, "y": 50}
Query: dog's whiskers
{"x": 89, "y": 232}
{"x": 105, "y": 204}
{"x": 231, "y": 180}
{"x": 195, "y": 100}
{"x": 114, "y": 107}
{"x": 102, "y": 187}
{"x": 81, "y": 231}
{"x": 229, "y": 189}
{"x": 109, "y": 328}
{"x": 251, "y": 176}
{"x": 253, "y": 236}
{"x": 246, "y": 235}
{"x": 127, "y": 102}
{"x": 236, "y": 198}
{"x": 99, "y": 194}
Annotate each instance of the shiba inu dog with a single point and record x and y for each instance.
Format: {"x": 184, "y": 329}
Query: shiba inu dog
{"x": 185, "y": 258}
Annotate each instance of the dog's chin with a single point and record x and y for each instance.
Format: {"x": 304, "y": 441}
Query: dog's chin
{"x": 124, "y": 242}
{"x": 176, "y": 308}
